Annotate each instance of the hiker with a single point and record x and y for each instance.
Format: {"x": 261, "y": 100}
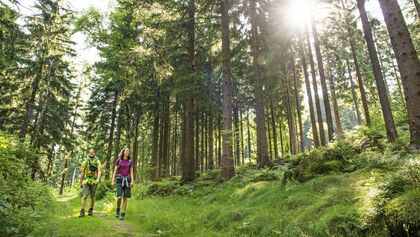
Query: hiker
{"x": 90, "y": 176}
{"x": 123, "y": 171}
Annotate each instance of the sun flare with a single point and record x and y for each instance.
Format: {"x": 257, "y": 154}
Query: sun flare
{"x": 299, "y": 13}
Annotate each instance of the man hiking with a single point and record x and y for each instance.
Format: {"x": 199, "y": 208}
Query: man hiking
{"x": 90, "y": 176}
{"x": 123, "y": 171}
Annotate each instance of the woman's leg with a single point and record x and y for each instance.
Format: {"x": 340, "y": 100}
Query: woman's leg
{"x": 119, "y": 202}
{"x": 124, "y": 204}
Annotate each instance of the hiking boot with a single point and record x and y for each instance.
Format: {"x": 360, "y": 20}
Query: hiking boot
{"x": 122, "y": 216}
{"x": 117, "y": 213}
{"x": 90, "y": 212}
{"x": 82, "y": 213}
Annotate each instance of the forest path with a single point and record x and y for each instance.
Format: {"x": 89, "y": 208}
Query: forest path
{"x": 65, "y": 221}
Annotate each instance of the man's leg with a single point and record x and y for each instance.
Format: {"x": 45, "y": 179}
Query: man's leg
{"x": 82, "y": 211}
{"x": 92, "y": 198}
{"x": 84, "y": 197}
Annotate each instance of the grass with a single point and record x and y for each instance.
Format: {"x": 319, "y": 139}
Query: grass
{"x": 260, "y": 203}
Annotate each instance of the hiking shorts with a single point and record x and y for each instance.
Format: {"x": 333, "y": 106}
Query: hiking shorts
{"x": 89, "y": 189}
{"x": 123, "y": 188}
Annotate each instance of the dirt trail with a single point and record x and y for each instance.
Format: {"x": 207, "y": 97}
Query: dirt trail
{"x": 121, "y": 227}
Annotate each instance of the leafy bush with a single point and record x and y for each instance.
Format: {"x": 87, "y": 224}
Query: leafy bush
{"x": 368, "y": 138}
{"x": 162, "y": 188}
{"x": 265, "y": 175}
{"x": 398, "y": 201}
{"x": 320, "y": 161}
{"x": 23, "y": 202}
{"x": 102, "y": 189}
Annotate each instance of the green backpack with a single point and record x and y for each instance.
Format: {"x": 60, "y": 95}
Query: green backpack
{"x": 92, "y": 167}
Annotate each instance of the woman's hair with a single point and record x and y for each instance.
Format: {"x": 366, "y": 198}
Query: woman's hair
{"x": 121, "y": 154}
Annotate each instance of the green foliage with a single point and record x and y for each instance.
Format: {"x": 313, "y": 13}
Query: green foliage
{"x": 103, "y": 188}
{"x": 368, "y": 138}
{"x": 162, "y": 188}
{"x": 23, "y": 202}
{"x": 320, "y": 161}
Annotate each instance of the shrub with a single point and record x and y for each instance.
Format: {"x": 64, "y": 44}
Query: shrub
{"x": 102, "y": 189}
{"x": 23, "y": 202}
{"x": 265, "y": 175}
{"x": 162, "y": 188}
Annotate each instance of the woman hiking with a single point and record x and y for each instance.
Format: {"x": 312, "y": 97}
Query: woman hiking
{"x": 90, "y": 176}
{"x": 123, "y": 171}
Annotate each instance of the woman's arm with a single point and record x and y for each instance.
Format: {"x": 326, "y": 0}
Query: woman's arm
{"x": 132, "y": 176}
{"x": 113, "y": 175}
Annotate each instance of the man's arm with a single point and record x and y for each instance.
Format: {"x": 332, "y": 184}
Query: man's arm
{"x": 82, "y": 175}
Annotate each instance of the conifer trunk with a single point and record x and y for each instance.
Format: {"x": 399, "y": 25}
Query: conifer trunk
{"x": 188, "y": 167}
{"x": 155, "y": 139}
{"x": 383, "y": 98}
{"x": 111, "y": 137}
{"x": 298, "y": 106}
{"x": 308, "y": 91}
{"x": 408, "y": 63}
{"x": 358, "y": 73}
{"x": 316, "y": 94}
{"x": 262, "y": 153}
{"x": 325, "y": 96}
{"x": 227, "y": 162}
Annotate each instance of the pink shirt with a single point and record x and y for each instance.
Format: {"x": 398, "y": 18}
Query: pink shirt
{"x": 124, "y": 168}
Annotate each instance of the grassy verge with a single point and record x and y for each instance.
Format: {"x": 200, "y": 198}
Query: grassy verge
{"x": 340, "y": 190}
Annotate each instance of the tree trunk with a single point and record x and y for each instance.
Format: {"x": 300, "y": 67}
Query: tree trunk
{"x": 249, "y": 137}
{"x": 308, "y": 91}
{"x": 270, "y": 148}
{"x": 206, "y": 143}
{"x": 338, "y": 124}
{"x": 211, "y": 161}
{"x": 273, "y": 125}
{"x": 161, "y": 138}
{"x": 155, "y": 142}
{"x": 383, "y": 98}
{"x": 128, "y": 126}
{"x": 298, "y": 107}
{"x": 290, "y": 119}
{"x": 417, "y": 5}
{"x": 325, "y": 96}
{"x": 203, "y": 125}
{"x": 236, "y": 134}
{"x": 354, "y": 95}
{"x": 118, "y": 135}
{"x": 219, "y": 148}
{"x": 197, "y": 141}
{"x": 227, "y": 162}
{"x": 73, "y": 125}
{"x": 358, "y": 73}
{"x": 188, "y": 167}
{"x": 262, "y": 152}
{"x": 166, "y": 135}
{"x": 408, "y": 63}
{"x": 242, "y": 138}
{"x": 136, "y": 142}
{"x": 111, "y": 137}
{"x": 315, "y": 85}
{"x": 175, "y": 139}
{"x": 30, "y": 104}
{"x": 281, "y": 137}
